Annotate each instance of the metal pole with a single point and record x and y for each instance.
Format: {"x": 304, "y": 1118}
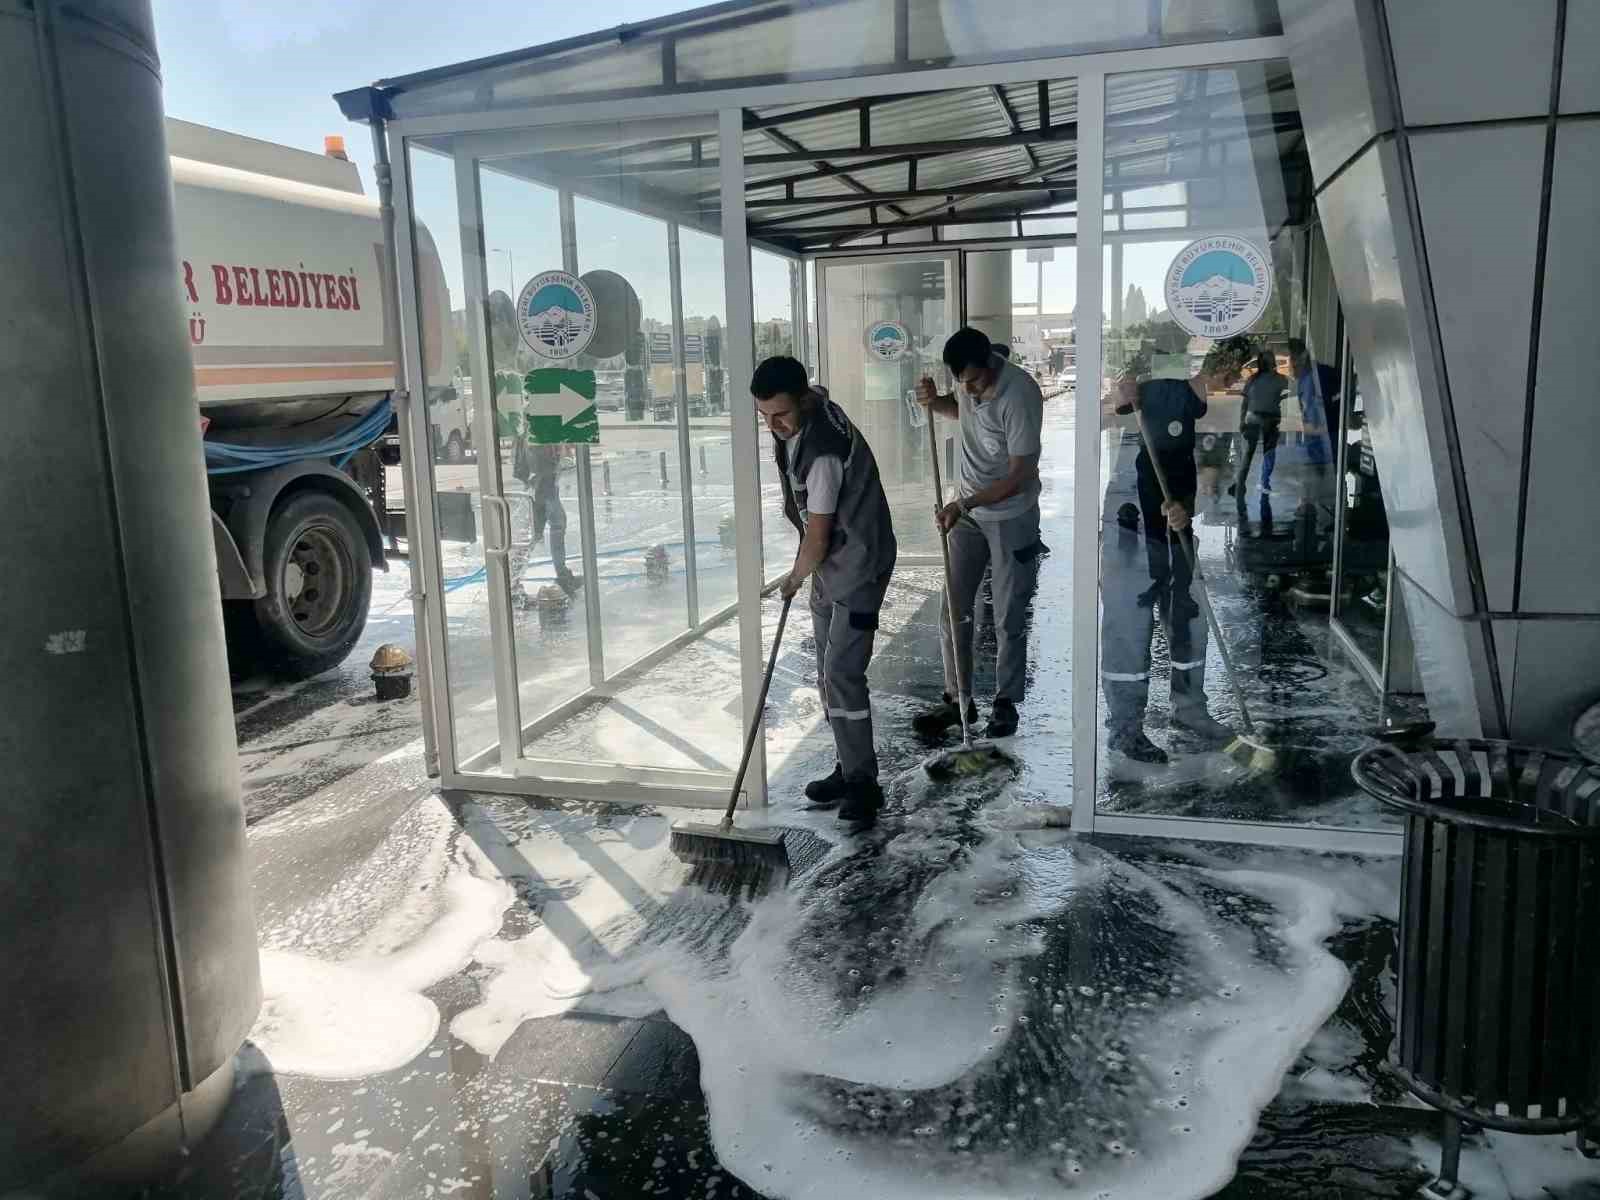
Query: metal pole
{"x": 680, "y": 384}
{"x": 591, "y": 558}
{"x": 408, "y": 472}
{"x": 739, "y": 355}
{"x": 1086, "y": 458}
{"x": 130, "y": 968}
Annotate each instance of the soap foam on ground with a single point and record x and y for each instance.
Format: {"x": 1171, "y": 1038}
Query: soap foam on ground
{"x": 934, "y": 1011}
{"x": 365, "y": 1013}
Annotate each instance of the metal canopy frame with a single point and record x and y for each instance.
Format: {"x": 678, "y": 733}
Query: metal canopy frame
{"x": 1024, "y": 182}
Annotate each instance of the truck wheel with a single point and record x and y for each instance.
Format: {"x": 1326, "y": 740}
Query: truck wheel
{"x": 455, "y": 450}
{"x": 319, "y": 582}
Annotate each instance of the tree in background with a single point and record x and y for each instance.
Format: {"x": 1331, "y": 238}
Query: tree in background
{"x": 1135, "y": 308}
{"x": 503, "y": 330}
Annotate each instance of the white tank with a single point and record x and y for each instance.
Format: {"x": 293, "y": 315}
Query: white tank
{"x": 281, "y": 278}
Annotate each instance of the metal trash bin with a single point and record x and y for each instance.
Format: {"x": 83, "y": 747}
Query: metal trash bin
{"x": 1499, "y": 935}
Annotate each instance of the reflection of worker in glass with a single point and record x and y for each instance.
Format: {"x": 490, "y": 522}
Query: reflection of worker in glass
{"x": 834, "y": 498}
{"x": 1317, "y": 388}
{"x": 993, "y": 525}
{"x": 538, "y": 469}
{"x": 1140, "y": 572}
{"x": 1260, "y": 414}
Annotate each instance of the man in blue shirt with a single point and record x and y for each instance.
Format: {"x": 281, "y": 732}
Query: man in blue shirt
{"x": 1317, "y": 388}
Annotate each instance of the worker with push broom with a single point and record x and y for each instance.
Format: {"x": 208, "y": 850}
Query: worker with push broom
{"x": 993, "y": 523}
{"x": 834, "y": 498}
{"x": 832, "y": 494}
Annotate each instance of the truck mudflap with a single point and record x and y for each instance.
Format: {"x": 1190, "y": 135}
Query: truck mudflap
{"x": 232, "y": 574}
{"x": 247, "y": 521}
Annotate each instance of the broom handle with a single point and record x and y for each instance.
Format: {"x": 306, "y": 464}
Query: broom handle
{"x": 1194, "y": 569}
{"x": 755, "y": 724}
{"x": 949, "y": 604}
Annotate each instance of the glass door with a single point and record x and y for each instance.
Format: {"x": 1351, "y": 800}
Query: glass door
{"x": 882, "y": 323}
{"x": 587, "y": 597}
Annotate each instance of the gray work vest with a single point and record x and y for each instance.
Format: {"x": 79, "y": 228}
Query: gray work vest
{"x": 861, "y": 548}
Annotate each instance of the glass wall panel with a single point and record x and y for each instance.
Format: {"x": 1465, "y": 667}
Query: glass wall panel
{"x": 918, "y": 292}
{"x": 1360, "y": 602}
{"x": 448, "y": 478}
{"x": 772, "y": 290}
{"x": 598, "y": 552}
{"x": 1221, "y": 368}
{"x": 710, "y": 427}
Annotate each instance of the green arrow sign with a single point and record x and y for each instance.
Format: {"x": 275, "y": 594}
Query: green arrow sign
{"x": 560, "y": 407}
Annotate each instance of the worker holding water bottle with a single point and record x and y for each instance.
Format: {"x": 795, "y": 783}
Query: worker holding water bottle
{"x": 992, "y": 524}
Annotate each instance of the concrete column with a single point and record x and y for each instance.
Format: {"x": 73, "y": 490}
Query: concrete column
{"x": 1456, "y": 174}
{"x": 129, "y": 976}
{"x": 989, "y": 290}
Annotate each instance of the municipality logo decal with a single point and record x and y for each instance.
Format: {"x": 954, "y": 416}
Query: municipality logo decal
{"x": 888, "y": 340}
{"x": 1218, "y": 286}
{"x": 555, "y": 315}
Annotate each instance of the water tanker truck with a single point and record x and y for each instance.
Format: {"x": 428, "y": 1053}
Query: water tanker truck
{"x": 282, "y": 272}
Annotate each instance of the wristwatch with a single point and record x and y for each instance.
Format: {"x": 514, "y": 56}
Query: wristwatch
{"x": 965, "y": 505}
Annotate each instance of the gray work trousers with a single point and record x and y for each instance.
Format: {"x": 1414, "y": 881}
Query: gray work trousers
{"x": 530, "y": 513}
{"x": 843, "y": 629}
{"x": 1010, "y": 550}
{"x": 1141, "y": 568}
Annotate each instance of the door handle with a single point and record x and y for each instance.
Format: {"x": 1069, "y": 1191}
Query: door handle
{"x": 502, "y": 545}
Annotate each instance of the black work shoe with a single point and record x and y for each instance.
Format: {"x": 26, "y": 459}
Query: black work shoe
{"x": 863, "y": 798}
{"x": 940, "y": 718}
{"x": 827, "y": 792}
{"x": 1201, "y": 724}
{"x": 569, "y": 583}
{"x": 1002, "y": 719}
{"x": 1135, "y": 745}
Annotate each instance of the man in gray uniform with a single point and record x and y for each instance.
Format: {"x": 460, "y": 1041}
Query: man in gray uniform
{"x": 834, "y": 498}
{"x": 993, "y": 522}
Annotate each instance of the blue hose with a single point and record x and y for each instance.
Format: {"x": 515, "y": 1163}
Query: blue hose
{"x": 226, "y": 458}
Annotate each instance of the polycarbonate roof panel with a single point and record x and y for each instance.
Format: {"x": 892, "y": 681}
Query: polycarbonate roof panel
{"x": 766, "y": 41}
{"x": 843, "y": 37}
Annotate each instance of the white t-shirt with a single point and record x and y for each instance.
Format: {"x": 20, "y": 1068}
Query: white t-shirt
{"x": 995, "y": 430}
{"x": 822, "y": 486}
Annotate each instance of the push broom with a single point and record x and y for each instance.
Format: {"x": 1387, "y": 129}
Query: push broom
{"x": 1248, "y": 749}
{"x": 746, "y": 856}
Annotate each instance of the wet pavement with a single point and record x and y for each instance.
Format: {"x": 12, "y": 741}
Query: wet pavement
{"x": 486, "y": 997}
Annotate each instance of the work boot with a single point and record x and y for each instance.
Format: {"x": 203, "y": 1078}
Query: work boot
{"x": 828, "y": 791}
{"x": 569, "y": 583}
{"x": 1197, "y": 721}
{"x": 1002, "y": 719}
{"x": 863, "y": 798}
{"x": 1133, "y": 743}
{"x": 938, "y": 720}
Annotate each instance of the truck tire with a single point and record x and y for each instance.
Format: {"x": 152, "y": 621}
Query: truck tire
{"x": 455, "y": 450}
{"x": 319, "y": 582}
